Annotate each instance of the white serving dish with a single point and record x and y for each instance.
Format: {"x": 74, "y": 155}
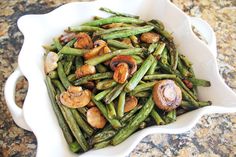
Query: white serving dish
{"x": 37, "y": 114}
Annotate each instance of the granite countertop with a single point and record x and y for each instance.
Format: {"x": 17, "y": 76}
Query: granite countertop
{"x": 214, "y": 135}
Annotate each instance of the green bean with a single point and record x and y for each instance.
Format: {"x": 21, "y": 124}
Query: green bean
{"x": 152, "y": 68}
{"x": 164, "y": 57}
{"x": 159, "y": 77}
{"x": 169, "y": 70}
{"x": 118, "y": 13}
{"x": 78, "y": 61}
{"x": 204, "y": 103}
{"x": 152, "y": 47}
{"x": 93, "y": 77}
{"x": 72, "y": 51}
{"x": 83, "y": 111}
{"x": 102, "y": 144}
{"x": 194, "y": 89}
{"x": 114, "y": 93}
{"x": 115, "y": 19}
{"x": 142, "y": 82}
{"x": 180, "y": 82}
{"x": 57, "y": 44}
{"x": 127, "y": 33}
{"x": 53, "y": 74}
{"x": 185, "y": 61}
{"x": 189, "y": 105}
{"x": 114, "y": 122}
{"x": 105, "y": 84}
{"x": 164, "y": 33}
{"x": 82, "y": 124}
{"x": 158, "y": 23}
{"x": 97, "y": 18}
{"x": 138, "y": 59}
{"x": 105, "y": 57}
{"x": 109, "y": 132}
{"x": 62, "y": 123}
{"x": 143, "y": 94}
{"x": 84, "y": 29}
{"x": 183, "y": 70}
{"x": 134, "y": 40}
{"x": 101, "y": 68}
{"x": 74, "y": 127}
{"x": 71, "y": 43}
{"x": 174, "y": 58}
{"x": 71, "y": 77}
{"x": 75, "y": 147}
{"x": 118, "y": 44}
{"x": 49, "y": 48}
{"x": 58, "y": 84}
{"x": 113, "y": 48}
{"x": 170, "y": 117}
{"x": 200, "y": 82}
{"x": 133, "y": 125}
{"x": 159, "y": 50}
{"x": 102, "y": 94}
{"x": 62, "y": 76}
{"x": 138, "y": 75}
{"x": 142, "y": 87}
{"x": 68, "y": 64}
{"x": 157, "y": 117}
{"x": 111, "y": 110}
{"x": 130, "y": 114}
{"x": 187, "y": 97}
{"x": 121, "y": 105}
{"x": 103, "y": 136}
{"x": 106, "y": 31}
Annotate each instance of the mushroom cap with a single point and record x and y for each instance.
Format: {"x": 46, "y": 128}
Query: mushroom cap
{"x": 85, "y": 70}
{"x": 75, "y": 97}
{"x": 124, "y": 59}
{"x": 167, "y": 95}
{"x": 50, "y": 63}
{"x": 83, "y": 41}
{"x": 130, "y": 103}
{"x": 95, "y": 118}
{"x": 150, "y": 37}
{"x": 121, "y": 73}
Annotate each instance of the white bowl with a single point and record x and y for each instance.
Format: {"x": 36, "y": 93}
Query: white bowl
{"x": 37, "y": 114}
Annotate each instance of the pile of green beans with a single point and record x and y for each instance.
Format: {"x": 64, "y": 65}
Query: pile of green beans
{"x": 155, "y": 61}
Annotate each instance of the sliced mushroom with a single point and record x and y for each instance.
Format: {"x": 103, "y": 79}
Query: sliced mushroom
{"x": 65, "y": 38}
{"x": 124, "y": 59}
{"x": 127, "y": 41}
{"x": 50, "y": 63}
{"x": 95, "y": 118}
{"x": 85, "y": 70}
{"x": 121, "y": 73}
{"x": 83, "y": 41}
{"x": 167, "y": 95}
{"x": 104, "y": 50}
{"x": 130, "y": 103}
{"x": 100, "y": 47}
{"x": 150, "y": 37}
{"x": 75, "y": 97}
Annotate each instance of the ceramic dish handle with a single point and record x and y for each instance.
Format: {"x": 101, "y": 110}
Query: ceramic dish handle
{"x": 9, "y": 92}
{"x": 206, "y": 31}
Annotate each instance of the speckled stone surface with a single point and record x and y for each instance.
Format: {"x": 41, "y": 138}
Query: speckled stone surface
{"x": 214, "y": 135}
